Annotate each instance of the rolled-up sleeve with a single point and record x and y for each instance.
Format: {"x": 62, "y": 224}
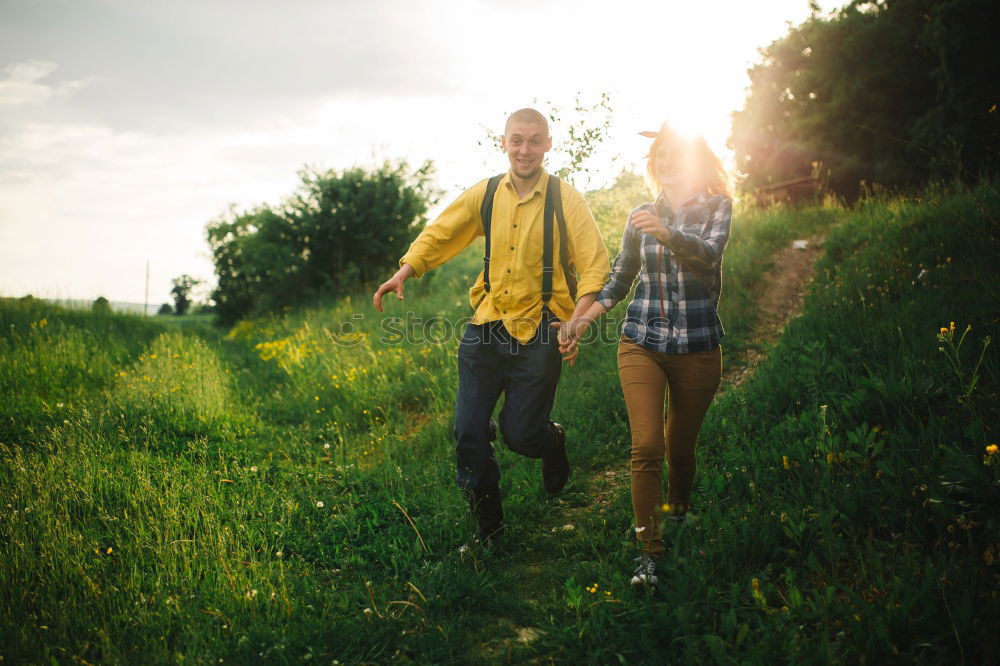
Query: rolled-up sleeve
{"x": 704, "y": 250}
{"x": 453, "y": 230}
{"x": 624, "y": 270}
{"x": 586, "y": 246}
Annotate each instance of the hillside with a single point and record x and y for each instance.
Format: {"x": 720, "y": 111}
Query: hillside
{"x": 284, "y": 490}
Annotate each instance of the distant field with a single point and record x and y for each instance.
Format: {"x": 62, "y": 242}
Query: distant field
{"x": 283, "y": 491}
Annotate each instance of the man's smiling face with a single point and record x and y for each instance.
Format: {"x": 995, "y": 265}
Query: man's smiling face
{"x": 526, "y": 144}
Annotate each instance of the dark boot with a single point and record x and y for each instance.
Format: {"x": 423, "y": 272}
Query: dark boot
{"x": 487, "y": 506}
{"x": 555, "y": 466}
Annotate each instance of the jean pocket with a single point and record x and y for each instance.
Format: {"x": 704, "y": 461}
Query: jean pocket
{"x": 472, "y": 337}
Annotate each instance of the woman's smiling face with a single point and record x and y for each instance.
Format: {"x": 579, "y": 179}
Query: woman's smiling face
{"x": 673, "y": 165}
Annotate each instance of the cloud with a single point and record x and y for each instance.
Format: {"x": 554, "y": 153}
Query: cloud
{"x": 169, "y": 66}
{"x": 21, "y": 83}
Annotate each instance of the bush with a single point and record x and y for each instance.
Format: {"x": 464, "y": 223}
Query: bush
{"x": 337, "y": 230}
{"x": 101, "y": 304}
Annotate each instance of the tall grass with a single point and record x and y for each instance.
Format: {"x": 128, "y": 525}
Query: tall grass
{"x": 284, "y": 491}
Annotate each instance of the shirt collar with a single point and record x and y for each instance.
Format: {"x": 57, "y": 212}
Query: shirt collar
{"x": 699, "y": 199}
{"x": 539, "y": 187}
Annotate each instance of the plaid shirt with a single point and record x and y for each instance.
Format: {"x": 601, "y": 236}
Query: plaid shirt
{"x": 674, "y": 310}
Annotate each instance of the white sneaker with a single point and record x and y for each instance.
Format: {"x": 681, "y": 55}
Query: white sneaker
{"x": 645, "y": 571}
{"x": 688, "y": 518}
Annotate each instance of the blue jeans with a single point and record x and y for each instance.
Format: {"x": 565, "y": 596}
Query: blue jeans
{"x": 490, "y": 362}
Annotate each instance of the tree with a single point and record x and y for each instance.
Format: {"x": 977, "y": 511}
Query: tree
{"x": 182, "y": 292}
{"x": 582, "y": 131}
{"x": 101, "y": 305}
{"x": 894, "y": 92}
{"x": 338, "y": 229}
{"x": 165, "y": 309}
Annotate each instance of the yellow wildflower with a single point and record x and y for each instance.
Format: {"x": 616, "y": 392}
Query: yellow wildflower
{"x": 784, "y": 461}
{"x": 991, "y": 449}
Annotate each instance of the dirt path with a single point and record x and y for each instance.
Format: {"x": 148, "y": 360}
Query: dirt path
{"x": 779, "y": 301}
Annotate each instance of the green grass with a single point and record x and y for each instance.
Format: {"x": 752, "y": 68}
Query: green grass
{"x": 284, "y": 490}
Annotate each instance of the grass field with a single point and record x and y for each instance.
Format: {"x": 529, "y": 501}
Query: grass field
{"x": 283, "y": 491}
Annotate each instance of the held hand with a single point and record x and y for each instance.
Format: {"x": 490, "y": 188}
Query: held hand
{"x": 569, "y": 338}
{"x": 393, "y": 284}
{"x": 649, "y": 223}
{"x": 563, "y": 334}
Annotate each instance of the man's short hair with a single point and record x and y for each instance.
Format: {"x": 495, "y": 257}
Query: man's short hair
{"x": 527, "y": 115}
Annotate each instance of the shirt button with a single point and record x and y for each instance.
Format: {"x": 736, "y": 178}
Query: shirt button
{"x": 515, "y": 226}
{"x": 508, "y": 270}
{"x": 512, "y": 247}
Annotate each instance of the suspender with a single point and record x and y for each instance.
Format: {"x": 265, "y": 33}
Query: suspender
{"x": 569, "y": 270}
{"x": 486, "y": 214}
{"x": 547, "y": 242}
{"x": 553, "y": 208}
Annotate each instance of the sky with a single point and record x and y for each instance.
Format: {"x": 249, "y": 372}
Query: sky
{"x": 126, "y": 127}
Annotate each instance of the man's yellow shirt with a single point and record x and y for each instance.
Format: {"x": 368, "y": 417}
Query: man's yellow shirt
{"x": 515, "y": 295}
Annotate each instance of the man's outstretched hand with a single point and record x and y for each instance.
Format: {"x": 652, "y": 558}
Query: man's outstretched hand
{"x": 393, "y": 284}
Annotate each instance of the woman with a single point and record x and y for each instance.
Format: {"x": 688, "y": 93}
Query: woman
{"x": 670, "y": 340}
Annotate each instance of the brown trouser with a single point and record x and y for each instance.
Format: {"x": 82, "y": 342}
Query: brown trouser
{"x": 689, "y": 382}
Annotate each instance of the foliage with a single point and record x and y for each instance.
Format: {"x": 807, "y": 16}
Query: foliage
{"x": 575, "y": 141}
{"x": 165, "y": 309}
{"x": 338, "y": 230}
{"x": 611, "y": 205}
{"x": 892, "y": 92}
{"x": 181, "y": 292}
{"x": 101, "y": 304}
{"x": 846, "y": 493}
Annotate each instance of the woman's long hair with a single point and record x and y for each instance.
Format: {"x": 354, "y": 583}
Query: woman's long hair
{"x": 712, "y": 176}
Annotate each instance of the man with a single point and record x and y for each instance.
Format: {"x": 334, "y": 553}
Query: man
{"x": 509, "y": 347}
